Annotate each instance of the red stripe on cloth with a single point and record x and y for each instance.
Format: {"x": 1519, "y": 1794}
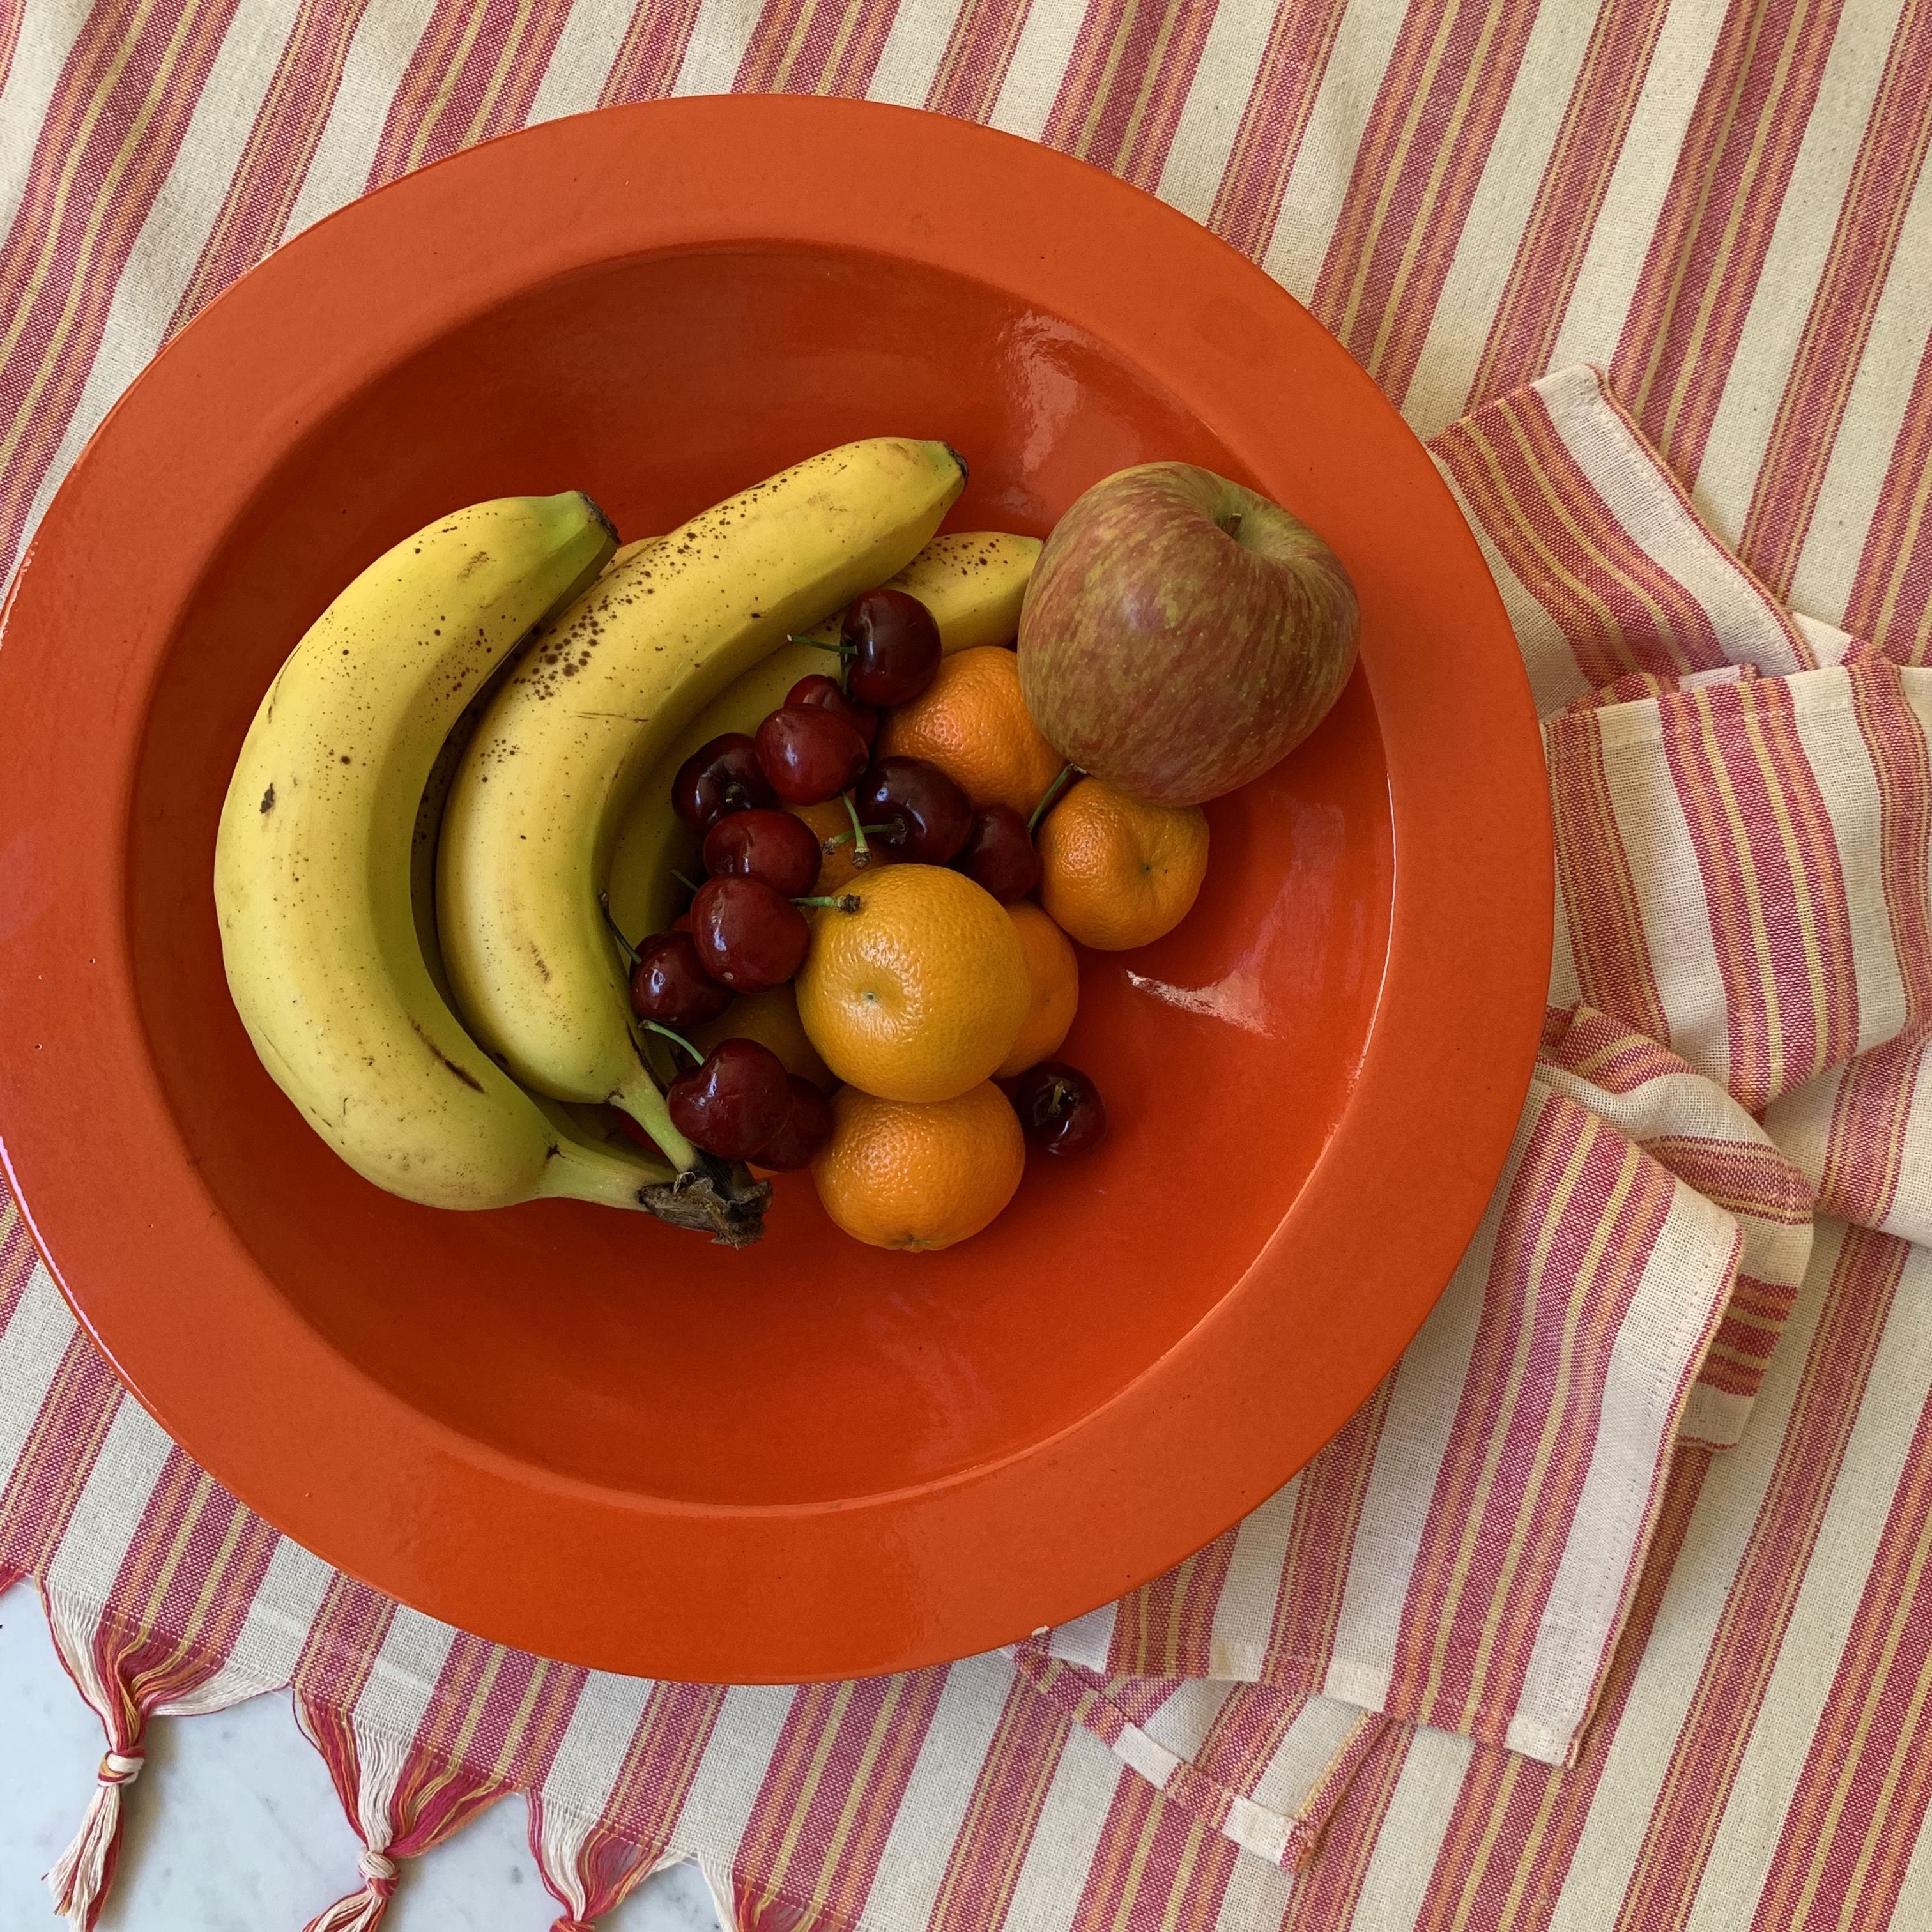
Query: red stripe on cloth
{"x": 281, "y": 144}
{"x": 1328, "y": 1888}
{"x": 655, "y": 45}
{"x": 1616, "y": 65}
{"x": 976, "y": 1893}
{"x": 978, "y": 51}
{"x": 1166, "y": 1628}
{"x": 1768, "y": 856}
{"x": 1125, "y": 83}
{"x": 475, "y": 73}
{"x": 1891, "y": 601}
{"x": 831, "y": 1791}
{"x": 1597, "y": 1047}
{"x": 488, "y": 1706}
{"x": 1854, "y": 1817}
{"x": 183, "y": 1590}
{"x": 1248, "y": 202}
{"x": 1838, "y": 326}
{"x": 1730, "y": 1691}
{"x": 1707, "y": 249}
{"x": 12, "y": 13}
{"x": 1416, "y": 172}
{"x": 57, "y": 1457}
{"x": 1619, "y": 609}
{"x": 1517, "y": 1823}
{"x": 19, "y": 1258}
{"x": 815, "y": 46}
{"x": 1154, "y": 1865}
{"x": 1321, "y": 1547}
{"x": 1247, "y": 1734}
{"x": 184, "y": 1587}
{"x": 1744, "y": 1178}
{"x": 1581, "y": 1221}
{"x": 1607, "y": 941}
{"x": 1864, "y": 1150}
{"x": 112, "y": 129}
{"x": 641, "y": 1809}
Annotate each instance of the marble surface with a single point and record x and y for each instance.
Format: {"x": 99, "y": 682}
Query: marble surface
{"x": 233, "y": 1826}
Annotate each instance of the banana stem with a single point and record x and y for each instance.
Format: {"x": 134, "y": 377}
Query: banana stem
{"x": 1047, "y": 797}
{"x": 641, "y": 1098}
{"x": 577, "y": 1171}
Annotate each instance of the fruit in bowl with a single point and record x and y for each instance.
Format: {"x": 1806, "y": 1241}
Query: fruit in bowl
{"x": 494, "y": 817}
{"x": 1182, "y": 634}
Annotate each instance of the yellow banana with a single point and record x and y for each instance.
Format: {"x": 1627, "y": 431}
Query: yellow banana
{"x": 972, "y": 582}
{"x": 587, "y": 713}
{"x": 313, "y": 863}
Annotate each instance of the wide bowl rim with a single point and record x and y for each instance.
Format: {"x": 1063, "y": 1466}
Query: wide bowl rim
{"x": 790, "y": 1592}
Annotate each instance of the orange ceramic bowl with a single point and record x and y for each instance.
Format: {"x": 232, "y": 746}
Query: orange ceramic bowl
{"x": 581, "y": 1432}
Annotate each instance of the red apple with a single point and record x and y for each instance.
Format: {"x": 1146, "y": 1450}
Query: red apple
{"x": 1181, "y": 633}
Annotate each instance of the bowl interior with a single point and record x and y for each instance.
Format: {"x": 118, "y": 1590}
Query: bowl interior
{"x": 810, "y": 1369}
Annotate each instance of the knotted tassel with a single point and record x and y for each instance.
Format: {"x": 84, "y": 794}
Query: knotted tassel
{"x": 79, "y": 1880}
{"x": 362, "y": 1910}
{"x": 567, "y": 1924}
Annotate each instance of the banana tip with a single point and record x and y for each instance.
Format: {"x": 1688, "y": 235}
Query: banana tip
{"x": 597, "y": 514}
{"x": 965, "y": 468}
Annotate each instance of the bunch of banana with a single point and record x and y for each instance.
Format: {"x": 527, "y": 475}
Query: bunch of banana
{"x": 972, "y": 583}
{"x": 585, "y": 715}
{"x": 333, "y": 971}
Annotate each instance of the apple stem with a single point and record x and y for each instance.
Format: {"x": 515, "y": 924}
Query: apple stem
{"x": 629, "y": 951}
{"x": 1233, "y": 526}
{"x": 843, "y": 902}
{"x": 1047, "y": 797}
{"x": 676, "y": 1039}
{"x": 861, "y": 852}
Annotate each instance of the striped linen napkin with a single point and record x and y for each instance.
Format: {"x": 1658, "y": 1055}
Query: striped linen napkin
{"x": 1609, "y": 1610}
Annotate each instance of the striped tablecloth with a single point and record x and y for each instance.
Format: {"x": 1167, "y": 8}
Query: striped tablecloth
{"x": 1608, "y": 1611}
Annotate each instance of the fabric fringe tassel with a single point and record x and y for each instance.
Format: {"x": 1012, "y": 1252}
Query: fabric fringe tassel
{"x": 83, "y": 1872}
{"x": 362, "y": 1910}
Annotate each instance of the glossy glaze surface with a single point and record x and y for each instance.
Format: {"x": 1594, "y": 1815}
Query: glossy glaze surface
{"x": 582, "y": 1432}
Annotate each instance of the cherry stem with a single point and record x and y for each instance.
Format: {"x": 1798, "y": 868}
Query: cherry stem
{"x": 676, "y": 1039}
{"x": 861, "y": 852}
{"x": 844, "y": 902}
{"x": 1047, "y": 797}
{"x": 817, "y": 644}
{"x": 839, "y": 838}
{"x": 629, "y": 951}
{"x": 684, "y": 882}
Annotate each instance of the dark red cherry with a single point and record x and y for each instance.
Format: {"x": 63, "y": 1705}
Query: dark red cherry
{"x": 1061, "y": 1109}
{"x": 998, "y": 853}
{"x": 824, "y": 693}
{"x": 670, "y": 985}
{"x": 806, "y": 1128}
{"x": 774, "y": 846}
{"x": 749, "y": 935}
{"x": 928, "y": 815}
{"x": 891, "y": 647}
{"x": 807, "y": 754}
{"x": 734, "y": 1101}
{"x": 720, "y": 776}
